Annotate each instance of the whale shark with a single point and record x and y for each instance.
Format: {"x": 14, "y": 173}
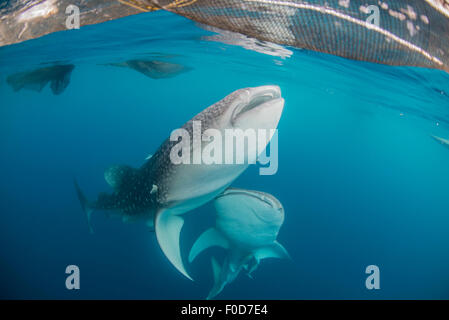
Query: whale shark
{"x": 444, "y": 142}
{"x": 154, "y": 69}
{"x": 36, "y": 80}
{"x": 247, "y": 224}
{"x": 161, "y": 192}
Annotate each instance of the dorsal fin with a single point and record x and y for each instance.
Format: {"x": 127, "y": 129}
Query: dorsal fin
{"x": 115, "y": 175}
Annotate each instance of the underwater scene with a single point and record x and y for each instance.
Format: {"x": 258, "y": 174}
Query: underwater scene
{"x": 353, "y": 202}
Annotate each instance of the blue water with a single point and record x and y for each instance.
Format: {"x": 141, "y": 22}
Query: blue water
{"x": 361, "y": 180}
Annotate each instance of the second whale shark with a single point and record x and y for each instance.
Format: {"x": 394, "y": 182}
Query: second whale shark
{"x": 161, "y": 191}
{"x": 247, "y": 224}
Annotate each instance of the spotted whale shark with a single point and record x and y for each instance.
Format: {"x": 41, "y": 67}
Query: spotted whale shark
{"x": 247, "y": 224}
{"x": 154, "y": 69}
{"x": 161, "y": 192}
{"x": 57, "y": 75}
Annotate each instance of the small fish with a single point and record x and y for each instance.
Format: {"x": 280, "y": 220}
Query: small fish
{"x": 247, "y": 225}
{"x": 36, "y": 80}
{"x": 444, "y": 142}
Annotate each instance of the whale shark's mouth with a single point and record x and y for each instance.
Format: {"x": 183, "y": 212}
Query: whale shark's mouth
{"x": 267, "y": 198}
{"x": 264, "y": 97}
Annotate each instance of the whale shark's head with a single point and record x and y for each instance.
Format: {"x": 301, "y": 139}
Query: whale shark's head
{"x": 247, "y": 218}
{"x": 251, "y": 108}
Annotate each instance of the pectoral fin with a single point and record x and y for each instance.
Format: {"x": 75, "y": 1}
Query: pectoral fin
{"x": 209, "y": 238}
{"x": 276, "y": 250}
{"x": 84, "y": 205}
{"x": 168, "y": 229}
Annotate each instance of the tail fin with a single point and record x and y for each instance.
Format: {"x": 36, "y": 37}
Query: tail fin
{"x": 84, "y": 204}
{"x": 218, "y": 285}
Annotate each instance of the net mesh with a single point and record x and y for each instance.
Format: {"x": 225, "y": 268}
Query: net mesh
{"x": 414, "y": 33}
{"x": 395, "y": 32}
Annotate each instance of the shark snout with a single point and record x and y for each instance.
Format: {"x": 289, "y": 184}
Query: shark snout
{"x": 260, "y": 108}
{"x": 271, "y": 91}
{"x": 256, "y": 97}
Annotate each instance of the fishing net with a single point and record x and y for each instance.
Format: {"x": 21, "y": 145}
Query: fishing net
{"x": 414, "y": 32}
{"x": 406, "y": 32}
